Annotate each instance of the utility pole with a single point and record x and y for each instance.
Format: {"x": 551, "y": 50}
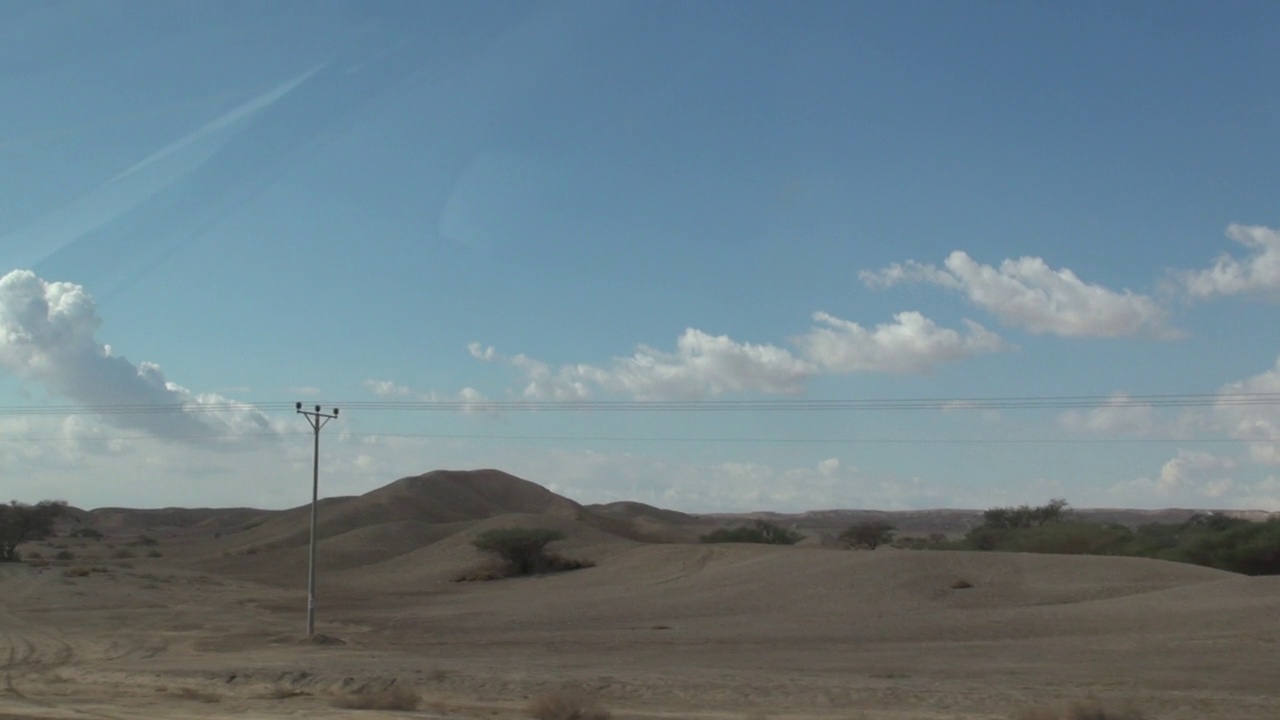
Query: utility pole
{"x": 317, "y": 420}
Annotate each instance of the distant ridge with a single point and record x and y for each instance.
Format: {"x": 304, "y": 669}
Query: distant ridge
{"x": 630, "y": 510}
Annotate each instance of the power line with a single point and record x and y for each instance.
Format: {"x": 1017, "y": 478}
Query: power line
{"x": 1047, "y": 402}
{"x": 670, "y": 439}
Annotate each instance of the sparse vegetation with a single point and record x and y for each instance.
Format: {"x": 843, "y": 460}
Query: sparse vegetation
{"x": 1214, "y": 539}
{"x": 1091, "y": 709}
{"x": 203, "y": 696}
{"x": 65, "y": 555}
{"x": 123, "y": 554}
{"x": 760, "y": 531}
{"x": 394, "y": 697}
{"x": 85, "y": 532}
{"x": 869, "y": 534}
{"x": 145, "y": 539}
{"x": 522, "y": 551}
{"x": 154, "y": 553}
{"x": 282, "y": 692}
{"x": 20, "y": 522}
{"x": 567, "y": 704}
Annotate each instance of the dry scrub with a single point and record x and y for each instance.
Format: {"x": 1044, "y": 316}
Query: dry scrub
{"x": 187, "y": 693}
{"x": 1090, "y": 709}
{"x": 567, "y": 704}
{"x": 395, "y": 697}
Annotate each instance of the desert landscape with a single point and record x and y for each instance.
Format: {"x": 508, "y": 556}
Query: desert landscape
{"x": 185, "y": 613}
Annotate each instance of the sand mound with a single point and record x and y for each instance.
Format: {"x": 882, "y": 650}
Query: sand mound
{"x": 441, "y": 496}
{"x": 442, "y": 561}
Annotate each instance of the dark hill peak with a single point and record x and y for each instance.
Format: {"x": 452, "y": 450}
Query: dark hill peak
{"x": 456, "y": 495}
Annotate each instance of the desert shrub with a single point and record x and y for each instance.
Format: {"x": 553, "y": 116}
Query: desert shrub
{"x": 20, "y": 522}
{"x": 1214, "y": 539}
{"x": 523, "y": 551}
{"x": 394, "y": 697}
{"x": 77, "y": 572}
{"x": 869, "y": 534}
{"x": 567, "y": 704}
{"x": 1025, "y": 516}
{"x": 1251, "y": 548}
{"x": 282, "y": 692}
{"x": 203, "y": 696}
{"x": 154, "y": 554}
{"x": 65, "y": 555}
{"x": 760, "y": 531}
{"x": 34, "y": 555}
{"x": 85, "y": 532}
{"x": 145, "y": 539}
{"x": 1064, "y": 538}
{"x": 123, "y": 554}
{"x": 1090, "y": 709}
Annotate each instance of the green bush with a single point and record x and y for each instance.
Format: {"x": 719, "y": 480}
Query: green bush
{"x": 760, "y": 531}
{"x": 20, "y": 522}
{"x": 1214, "y": 540}
{"x": 870, "y": 534}
{"x": 523, "y": 551}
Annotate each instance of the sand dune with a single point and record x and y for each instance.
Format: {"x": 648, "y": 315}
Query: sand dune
{"x": 657, "y": 630}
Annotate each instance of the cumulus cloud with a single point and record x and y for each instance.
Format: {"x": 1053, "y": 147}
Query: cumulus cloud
{"x": 702, "y": 365}
{"x": 705, "y": 365}
{"x": 1258, "y": 273}
{"x": 468, "y": 399}
{"x": 1243, "y": 418}
{"x": 386, "y": 388}
{"x": 1195, "y": 478}
{"x": 911, "y": 344}
{"x": 1026, "y": 293}
{"x": 48, "y": 336}
{"x": 1119, "y": 415}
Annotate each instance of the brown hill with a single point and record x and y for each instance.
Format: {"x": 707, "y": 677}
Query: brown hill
{"x": 436, "y": 497}
{"x": 442, "y": 507}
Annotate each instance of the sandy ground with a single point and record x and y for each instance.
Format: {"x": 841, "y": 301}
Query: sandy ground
{"x": 656, "y": 631}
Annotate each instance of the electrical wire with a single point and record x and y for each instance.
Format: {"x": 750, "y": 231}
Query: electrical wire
{"x": 1048, "y": 402}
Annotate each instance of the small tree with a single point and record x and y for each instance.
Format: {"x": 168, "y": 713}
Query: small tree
{"x": 20, "y": 522}
{"x": 871, "y": 533}
{"x": 1025, "y": 516}
{"x": 524, "y": 550}
{"x": 760, "y": 531}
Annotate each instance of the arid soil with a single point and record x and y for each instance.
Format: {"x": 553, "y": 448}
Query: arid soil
{"x": 214, "y": 626}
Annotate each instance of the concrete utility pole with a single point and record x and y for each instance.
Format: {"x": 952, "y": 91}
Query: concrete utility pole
{"x": 317, "y": 420}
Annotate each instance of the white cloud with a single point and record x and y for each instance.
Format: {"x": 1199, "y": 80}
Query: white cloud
{"x": 469, "y": 399}
{"x": 702, "y": 365}
{"x": 386, "y": 388}
{"x": 48, "y": 336}
{"x": 1259, "y": 273}
{"x": 705, "y": 365}
{"x": 1200, "y": 479}
{"x": 1026, "y": 293}
{"x": 1244, "y": 418}
{"x": 911, "y": 344}
{"x": 1202, "y": 471}
{"x": 1120, "y": 415}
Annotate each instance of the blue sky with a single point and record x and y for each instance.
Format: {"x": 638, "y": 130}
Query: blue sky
{"x": 230, "y": 205}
